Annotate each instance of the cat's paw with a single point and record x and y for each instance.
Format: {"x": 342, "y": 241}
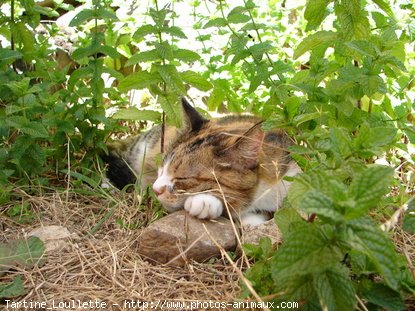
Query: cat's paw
{"x": 204, "y": 206}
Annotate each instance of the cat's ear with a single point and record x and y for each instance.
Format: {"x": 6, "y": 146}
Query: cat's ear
{"x": 194, "y": 120}
{"x": 245, "y": 151}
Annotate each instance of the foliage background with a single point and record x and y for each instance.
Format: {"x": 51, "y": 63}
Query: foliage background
{"x": 337, "y": 75}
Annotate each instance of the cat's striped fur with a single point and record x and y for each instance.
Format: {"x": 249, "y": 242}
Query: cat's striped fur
{"x": 210, "y": 163}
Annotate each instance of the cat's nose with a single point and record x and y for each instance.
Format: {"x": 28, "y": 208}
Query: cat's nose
{"x": 158, "y": 190}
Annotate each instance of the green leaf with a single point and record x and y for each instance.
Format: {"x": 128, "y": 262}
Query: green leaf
{"x": 302, "y": 118}
{"x": 217, "y": 96}
{"x": 319, "y": 180}
{"x": 13, "y": 289}
{"x": 171, "y": 77}
{"x": 83, "y": 178}
{"x": 82, "y": 17}
{"x": 134, "y": 113}
{"x": 217, "y": 22}
{"x": 158, "y": 16}
{"x": 83, "y": 72}
{"x": 353, "y": 19}
{"x": 315, "y": 12}
{"x": 285, "y": 218}
{"x": 21, "y": 252}
{"x": 35, "y": 129}
{"x": 375, "y": 137}
{"x": 45, "y": 11}
{"x": 368, "y": 187}
{"x": 315, "y": 40}
{"x": 381, "y": 136}
{"x": 8, "y": 56}
{"x": 172, "y": 109}
{"x": 335, "y": 290}
{"x": 164, "y": 50}
{"x": 366, "y": 237}
{"x": 383, "y": 296}
{"x": 262, "y": 250}
{"x": 106, "y": 14}
{"x": 94, "y": 48}
{"x": 341, "y": 142}
{"x": 362, "y": 47}
{"x": 237, "y": 15}
{"x": 19, "y": 88}
{"x": 316, "y": 202}
{"x": 145, "y": 30}
{"x": 23, "y": 35}
{"x": 174, "y": 31}
{"x": 16, "y": 121}
{"x": 302, "y": 256}
{"x": 145, "y": 56}
{"x": 138, "y": 80}
{"x": 291, "y": 106}
{"x": 372, "y": 84}
{"x": 238, "y": 48}
{"x": 238, "y": 18}
{"x": 196, "y": 80}
{"x": 186, "y": 55}
{"x": 109, "y": 51}
{"x": 259, "y": 49}
{"x": 385, "y": 7}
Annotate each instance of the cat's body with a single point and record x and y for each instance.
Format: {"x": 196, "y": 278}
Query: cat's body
{"x": 211, "y": 166}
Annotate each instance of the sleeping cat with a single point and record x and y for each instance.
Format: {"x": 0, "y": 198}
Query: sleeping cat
{"x": 210, "y": 166}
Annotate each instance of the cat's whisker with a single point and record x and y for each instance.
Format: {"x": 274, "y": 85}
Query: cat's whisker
{"x": 184, "y": 192}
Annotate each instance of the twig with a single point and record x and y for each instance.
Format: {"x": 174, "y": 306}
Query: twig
{"x": 393, "y": 221}
{"x": 231, "y": 219}
{"x": 241, "y": 275}
{"x": 360, "y": 302}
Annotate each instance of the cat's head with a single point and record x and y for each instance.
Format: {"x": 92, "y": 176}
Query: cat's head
{"x": 210, "y": 156}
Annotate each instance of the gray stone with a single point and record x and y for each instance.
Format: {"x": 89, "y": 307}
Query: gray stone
{"x": 54, "y": 237}
{"x": 269, "y": 229}
{"x": 179, "y": 237}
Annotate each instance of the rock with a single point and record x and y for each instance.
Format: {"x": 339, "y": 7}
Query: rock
{"x": 269, "y": 229}
{"x": 179, "y": 237}
{"x": 54, "y": 237}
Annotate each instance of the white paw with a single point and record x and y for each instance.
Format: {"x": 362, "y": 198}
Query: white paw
{"x": 252, "y": 219}
{"x": 204, "y": 206}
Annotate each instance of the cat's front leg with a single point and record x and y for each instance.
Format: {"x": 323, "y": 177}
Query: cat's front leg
{"x": 204, "y": 206}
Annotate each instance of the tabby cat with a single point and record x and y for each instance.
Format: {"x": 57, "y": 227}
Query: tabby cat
{"x": 209, "y": 166}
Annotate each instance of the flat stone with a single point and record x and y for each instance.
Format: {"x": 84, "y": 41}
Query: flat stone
{"x": 178, "y": 237}
{"x": 269, "y": 229}
{"x": 54, "y": 237}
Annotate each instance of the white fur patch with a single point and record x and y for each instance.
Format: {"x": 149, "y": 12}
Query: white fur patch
{"x": 204, "y": 206}
{"x": 252, "y": 219}
{"x": 163, "y": 180}
{"x": 269, "y": 197}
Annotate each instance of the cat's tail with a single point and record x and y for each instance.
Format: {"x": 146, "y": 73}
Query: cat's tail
{"x": 118, "y": 170}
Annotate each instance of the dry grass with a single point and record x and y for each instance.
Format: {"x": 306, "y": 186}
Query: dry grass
{"x": 106, "y": 267}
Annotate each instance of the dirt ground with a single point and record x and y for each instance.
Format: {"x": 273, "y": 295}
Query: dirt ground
{"x": 99, "y": 264}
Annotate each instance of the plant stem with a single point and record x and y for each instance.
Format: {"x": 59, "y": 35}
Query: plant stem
{"x": 163, "y": 117}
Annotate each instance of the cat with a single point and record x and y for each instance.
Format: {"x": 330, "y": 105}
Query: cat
{"x": 209, "y": 166}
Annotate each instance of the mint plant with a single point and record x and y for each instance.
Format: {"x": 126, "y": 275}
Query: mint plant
{"x": 162, "y": 59}
{"x": 343, "y": 120}
{"x": 336, "y": 75}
